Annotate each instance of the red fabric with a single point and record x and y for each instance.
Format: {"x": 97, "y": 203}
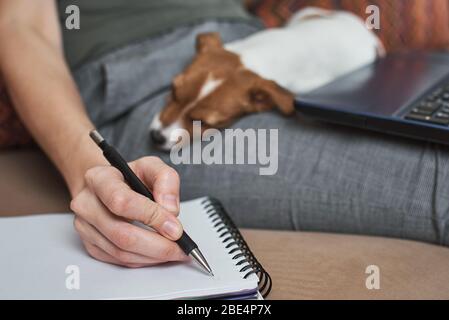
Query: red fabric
{"x": 404, "y": 24}
{"x": 12, "y": 132}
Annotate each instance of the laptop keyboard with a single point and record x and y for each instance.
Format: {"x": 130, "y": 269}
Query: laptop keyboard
{"x": 433, "y": 109}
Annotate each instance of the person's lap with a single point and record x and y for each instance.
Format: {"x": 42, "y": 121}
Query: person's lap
{"x": 329, "y": 178}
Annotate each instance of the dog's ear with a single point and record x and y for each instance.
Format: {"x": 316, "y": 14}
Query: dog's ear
{"x": 208, "y": 41}
{"x": 267, "y": 94}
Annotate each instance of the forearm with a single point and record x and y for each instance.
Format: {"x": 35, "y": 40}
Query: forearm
{"x": 47, "y": 100}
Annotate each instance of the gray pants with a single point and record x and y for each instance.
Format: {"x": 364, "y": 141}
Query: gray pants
{"x": 330, "y": 178}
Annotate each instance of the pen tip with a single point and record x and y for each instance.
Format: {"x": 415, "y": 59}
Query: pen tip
{"x": 199, "y": 258}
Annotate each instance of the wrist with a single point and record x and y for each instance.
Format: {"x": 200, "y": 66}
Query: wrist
{"x": 84, "y": 155}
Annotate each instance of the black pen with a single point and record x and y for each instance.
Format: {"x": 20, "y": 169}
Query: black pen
{"x": 115, "y": 159}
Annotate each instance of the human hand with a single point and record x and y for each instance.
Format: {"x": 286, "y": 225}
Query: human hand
{"x": 106, "y": 206}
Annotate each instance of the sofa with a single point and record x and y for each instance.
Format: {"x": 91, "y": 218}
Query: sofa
{"x": 303, "y": 265}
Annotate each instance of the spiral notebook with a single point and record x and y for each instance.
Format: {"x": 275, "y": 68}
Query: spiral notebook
{"x": 43, "y": 258}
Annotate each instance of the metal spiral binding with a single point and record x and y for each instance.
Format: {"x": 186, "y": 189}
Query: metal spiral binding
{"x": 236, "y": 244}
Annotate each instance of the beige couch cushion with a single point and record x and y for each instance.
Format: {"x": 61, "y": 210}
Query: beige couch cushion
{"x": 30, "y": 184}
{"x": 303, "y": 265}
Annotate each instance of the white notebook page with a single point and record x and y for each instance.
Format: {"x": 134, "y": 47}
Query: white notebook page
{"x": 36, "y": 250}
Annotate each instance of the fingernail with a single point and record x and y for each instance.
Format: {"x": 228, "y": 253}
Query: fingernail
{"x": 172, "y": 229}
{"x": 170, "y": 202}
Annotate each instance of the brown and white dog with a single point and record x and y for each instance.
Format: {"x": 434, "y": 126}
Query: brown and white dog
{"x": 263, "y": 71}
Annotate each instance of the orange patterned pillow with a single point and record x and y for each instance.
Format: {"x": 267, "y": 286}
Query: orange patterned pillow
{"x": 404, "y": 24}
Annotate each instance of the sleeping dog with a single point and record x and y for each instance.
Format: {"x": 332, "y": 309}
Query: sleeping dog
{"x": 263, "y": 71}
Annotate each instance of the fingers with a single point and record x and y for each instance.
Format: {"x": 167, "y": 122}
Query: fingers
{"x": 120, "y": 234}
{"x": 107, "y": 183}
{"x": 90, "y": 235}
{"x": 162, "y": 179}
{"x": 100, "y": 255}
{"x": 104, "y": 206}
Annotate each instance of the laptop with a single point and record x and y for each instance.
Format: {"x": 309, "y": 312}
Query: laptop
{"x": 404, "y": 94}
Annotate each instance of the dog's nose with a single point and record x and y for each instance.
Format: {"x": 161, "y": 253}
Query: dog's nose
{"x": 157, "y": 137}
